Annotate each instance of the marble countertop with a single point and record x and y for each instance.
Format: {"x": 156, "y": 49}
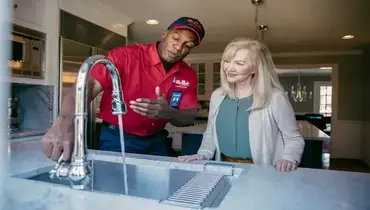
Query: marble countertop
{"x": 308, "y": 131}
{"x": 257, "y": 186}
{"x": 26, "y": 133}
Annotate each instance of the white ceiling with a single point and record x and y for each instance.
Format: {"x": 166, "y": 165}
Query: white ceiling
{"x": 294, "y": 25}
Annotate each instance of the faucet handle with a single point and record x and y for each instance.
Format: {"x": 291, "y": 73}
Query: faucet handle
{"x": 56, "y": 167}
{"x": 118, "y": 104}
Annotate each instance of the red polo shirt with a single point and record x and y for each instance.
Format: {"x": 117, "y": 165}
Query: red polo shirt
{"x": 141, "y": 71}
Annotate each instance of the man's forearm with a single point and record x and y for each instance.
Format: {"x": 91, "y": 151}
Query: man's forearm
{"x": 68, "y": 105}
{"x": 67, "y": 108}
{"x": 183, "y": 118}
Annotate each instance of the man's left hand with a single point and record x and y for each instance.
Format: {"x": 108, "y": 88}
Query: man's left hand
{"x": 152, "y": 108}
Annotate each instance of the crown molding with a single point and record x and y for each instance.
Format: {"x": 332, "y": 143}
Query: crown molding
{"x": 217, "y": 56}
{"x": 317, "y": 53}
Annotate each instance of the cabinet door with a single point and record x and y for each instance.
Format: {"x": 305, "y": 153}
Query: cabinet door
{"x": 29, "y": 10}
{"x": 201, "y": 71}
{"x": 216, "y": 75}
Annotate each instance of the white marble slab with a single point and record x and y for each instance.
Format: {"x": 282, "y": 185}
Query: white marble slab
{"x": 256, "y": 187}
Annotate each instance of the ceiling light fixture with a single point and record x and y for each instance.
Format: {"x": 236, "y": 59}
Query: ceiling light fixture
{"x": 348, "y": 37}
{"x": 152, "y": 22}
{"x": 117, "y": 25}
{"x": 326, "y": 68}
{"x": 259, "y": 28}
{"x": 257, "y": 2}
{"x": 262, "y": 27}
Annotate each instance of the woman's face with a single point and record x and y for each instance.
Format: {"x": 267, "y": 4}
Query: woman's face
{"x": 240, "y": 67}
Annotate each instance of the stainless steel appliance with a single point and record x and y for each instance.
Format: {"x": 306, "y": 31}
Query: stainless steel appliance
{"x": 79, "y": 40}
{"x": 26, "y": 58}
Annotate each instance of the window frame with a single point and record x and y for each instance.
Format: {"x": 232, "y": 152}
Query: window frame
{"x": 317, "y": 96}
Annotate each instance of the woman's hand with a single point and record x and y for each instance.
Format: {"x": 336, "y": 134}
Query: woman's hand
{"x": 187, "y": 158}
{"x": 285, "y": 165}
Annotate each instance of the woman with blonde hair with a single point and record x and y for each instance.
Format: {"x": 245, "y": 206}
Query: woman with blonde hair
{"x": 250, "y": 117}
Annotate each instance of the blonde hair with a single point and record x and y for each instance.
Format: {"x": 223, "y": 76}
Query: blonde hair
{"x": 265, "y": 79}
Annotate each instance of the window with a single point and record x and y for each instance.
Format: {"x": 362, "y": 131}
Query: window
{"x": 325, "y": 100}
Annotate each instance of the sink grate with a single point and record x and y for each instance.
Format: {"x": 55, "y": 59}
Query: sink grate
{"x": 195, "y": 192}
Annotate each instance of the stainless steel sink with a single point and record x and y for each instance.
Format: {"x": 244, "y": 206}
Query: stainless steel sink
{"x": 143, "y": 181}
{"x": 170, "y": 186}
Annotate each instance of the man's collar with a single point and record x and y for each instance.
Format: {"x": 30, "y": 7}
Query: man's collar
{"x": 153, "y": 54}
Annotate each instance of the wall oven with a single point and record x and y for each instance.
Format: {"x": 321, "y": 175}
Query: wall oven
{"x": 26, "y": 56}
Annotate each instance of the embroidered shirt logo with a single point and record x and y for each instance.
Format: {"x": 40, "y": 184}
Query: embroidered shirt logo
{"x": 195, "y": 24}
{"x": 181, "y": 83}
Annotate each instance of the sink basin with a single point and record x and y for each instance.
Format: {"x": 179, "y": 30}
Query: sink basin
{"x": 178, "y": 187}
{"x": 143, "y": 181}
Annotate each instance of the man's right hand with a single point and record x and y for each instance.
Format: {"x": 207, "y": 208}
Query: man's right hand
{"x": 59, "y": 139}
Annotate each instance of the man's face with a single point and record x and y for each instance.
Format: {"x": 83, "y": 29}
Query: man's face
{"x": 176, "y": 44}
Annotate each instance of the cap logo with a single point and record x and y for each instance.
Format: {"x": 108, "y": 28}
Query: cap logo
{"x": 194, "y": 23}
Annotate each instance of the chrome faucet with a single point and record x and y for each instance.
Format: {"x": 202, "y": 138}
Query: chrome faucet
{"x": 79, "y": 171}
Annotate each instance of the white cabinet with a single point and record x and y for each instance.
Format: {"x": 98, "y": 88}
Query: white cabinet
{"x": 200, "y": 68}
{"x": 216, "y": 78}
{"x": 29, "y": 13}
{"x": 208, "y": 77}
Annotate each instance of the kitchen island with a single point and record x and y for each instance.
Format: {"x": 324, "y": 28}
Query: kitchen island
{"x": 307, "y": 130}
{"x": 187, "y": 140}
{"x": 253, "y": 187}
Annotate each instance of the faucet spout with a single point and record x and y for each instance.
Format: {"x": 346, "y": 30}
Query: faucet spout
{"x": 81, "y": 102}
{"x": 79, "y": 172}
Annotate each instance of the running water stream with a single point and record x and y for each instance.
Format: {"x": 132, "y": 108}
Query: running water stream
{"x": 122, "y": 139}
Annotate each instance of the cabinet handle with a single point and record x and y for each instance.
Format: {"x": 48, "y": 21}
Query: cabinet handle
{"x": 15, "y": 6}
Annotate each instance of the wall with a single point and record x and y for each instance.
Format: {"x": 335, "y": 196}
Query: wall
{"x": 365, "y": 153}
{"x": 308, "y": 81}
{"x": 347, "y": 120}
{"x": 131, "y": 42}
{"x": 51, "y": 25}
{"x": 96, "y": 11}
{"x": 350, "y": 99}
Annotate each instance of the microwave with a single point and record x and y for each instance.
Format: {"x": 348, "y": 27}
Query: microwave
{"x": 26, "y": 56}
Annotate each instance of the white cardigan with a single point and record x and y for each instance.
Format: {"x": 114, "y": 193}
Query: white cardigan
{"x": 273, "y": 131}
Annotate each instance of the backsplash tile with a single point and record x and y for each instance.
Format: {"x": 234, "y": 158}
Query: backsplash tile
{"x": 35, "y": 104}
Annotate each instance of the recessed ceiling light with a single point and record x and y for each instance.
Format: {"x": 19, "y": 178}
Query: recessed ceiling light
{"x": 152, "y": 22}
{"x": 118, "y": 25}
{"x": 325, "y": 67}
{"x": 348, "y": 37}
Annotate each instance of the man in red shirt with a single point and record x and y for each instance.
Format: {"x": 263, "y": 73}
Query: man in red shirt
{"x": 158, "y": 87}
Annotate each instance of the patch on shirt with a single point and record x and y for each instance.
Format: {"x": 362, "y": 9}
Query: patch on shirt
{"x": 175, "y": 98}
{"x": 180, "y": 83}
